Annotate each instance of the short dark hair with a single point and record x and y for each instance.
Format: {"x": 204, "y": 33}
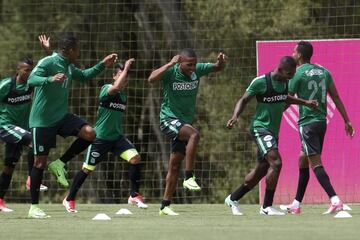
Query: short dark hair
{"x": 27, "y": 60}
{"x": 305, "y": 48}
{"x": 68, "y": 41}
{"x": 288, "y": 61}
{"x": 188, "y": 52}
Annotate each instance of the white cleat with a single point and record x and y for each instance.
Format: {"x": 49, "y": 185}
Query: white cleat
{"x": 270, "y": 211}
{"x": 234, "y": 205}
{"x": 137, "y": 201}
{"x": 3, "y": 207}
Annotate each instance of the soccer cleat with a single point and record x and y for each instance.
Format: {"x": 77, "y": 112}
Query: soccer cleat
{"x": 191, "y": 184}
{"x": 334, "y": 208}
{"x": 290, "y": 209}
{"x": 43, "y": 188}
{"x": 69, "y": 206}
{"x": 138, "y": 201}
{"x": 36, "y": 212}
{"x": 3, "y": 207}
{"x": 235, "y": 208}
{"x": 57, "y": 168}
{"x": 167, "y": 211}
{"x": 270, "y": 211}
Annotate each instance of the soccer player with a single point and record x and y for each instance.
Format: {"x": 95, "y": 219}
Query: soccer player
{"x": 110, "y": 138}
{"x": 312, "y": 81}
{"x": 49, "y": 115}
{"x": 271, "y": 92}
{"x": 15, "y": 104}
{"x": 180, "y": 78}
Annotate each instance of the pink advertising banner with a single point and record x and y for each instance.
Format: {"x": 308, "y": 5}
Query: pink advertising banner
{"x": 341, "y": 155}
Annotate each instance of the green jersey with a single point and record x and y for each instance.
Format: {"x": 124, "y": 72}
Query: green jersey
{"x": 311, "y": 82}
{"x": 180, "y": 91}
{"x": 50, "y": 102}
{"x": 15, "y": 103}
{"x": 271, "y": 96}
{"x": 109, "y": 121}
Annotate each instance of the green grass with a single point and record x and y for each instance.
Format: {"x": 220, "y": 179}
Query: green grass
{"x": 195, "y": 222}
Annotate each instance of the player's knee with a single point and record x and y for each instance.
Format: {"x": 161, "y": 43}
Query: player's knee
{"x": 86, "y": 170}
{"x": 195, "y": 136}
{"x": 88, "y": 133}
{"x": 8, "y": 170}
{"x": 135, "y": 160}
{"x": 276, "y": 165}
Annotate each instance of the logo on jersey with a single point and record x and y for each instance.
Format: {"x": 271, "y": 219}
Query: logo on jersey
{"x": 95, "y": 154}
{"x": 277, "y": 98}
{"x": 118, "y": 106}
{"x": 291, "y": 115}
{"x": 185, "y": 86}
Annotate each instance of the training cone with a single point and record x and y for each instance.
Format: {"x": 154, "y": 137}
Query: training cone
{"x": 346, "y": 207}
{"x": 124, "y": 211}
{"x": 343, "y": 214}
{"x": 101, "y": 216}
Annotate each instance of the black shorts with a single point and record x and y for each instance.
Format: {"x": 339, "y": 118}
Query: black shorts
{"x": 171, "y": 128}
{"x": 265, "y": 141}
{"x": 98, "y": 150}
{"x": 44, "y": 138}
{"x": 312, "y": 137}
{"x": 15, "y": 138}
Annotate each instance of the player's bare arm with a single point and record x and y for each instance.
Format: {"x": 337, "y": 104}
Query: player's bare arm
{"x": 349, "y": 129}
{"x": 221, "y": 62}
{"x": 121, "y": 79}
{"x": 298, "y": 101}
{"x": 156, "y": 74}
{"x": 239, "y": 108}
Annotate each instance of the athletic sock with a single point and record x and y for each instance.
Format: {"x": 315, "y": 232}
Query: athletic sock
{"x": 239, "y": 193}
{"x": 76, "y": 148}
{"x": 269, "y": 197}
{"x": 76, "y": 185}
{"x": 189, "y": 174}
{"x": 30, "y": 157}
{"x": 134, "y": 176}
{"x": 165, "y": 203}
{"x": 335, "y": 200}
{"x": 35, "y": 181}
{"x": 296, "y": 203}
{"x": 304, "y": 176}
{"x": 324, "y": 181}
{"x": 5, "y": 180}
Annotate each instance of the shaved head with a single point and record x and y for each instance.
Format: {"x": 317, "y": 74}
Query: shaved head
{"x": 188, "y": 52}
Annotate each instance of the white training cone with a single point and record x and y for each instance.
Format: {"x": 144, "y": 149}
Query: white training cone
{"x": 346, "y": 207}
{"x": 101, "y": 216}
{"x": 123, "y": 211}
{"x": 343, "y": 214}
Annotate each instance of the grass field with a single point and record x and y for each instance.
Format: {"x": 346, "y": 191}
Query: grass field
{"x": 195, "y": 222}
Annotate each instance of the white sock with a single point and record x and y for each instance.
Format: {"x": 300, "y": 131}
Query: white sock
{"x": 335, "y": 200}
{"x": 296, "y": 203}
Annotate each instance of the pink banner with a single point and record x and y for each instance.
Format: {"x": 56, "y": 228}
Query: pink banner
{"x": 341, "y": 155}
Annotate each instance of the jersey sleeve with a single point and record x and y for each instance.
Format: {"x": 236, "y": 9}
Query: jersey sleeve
{"x": 329, "y": 79}
{"x": 257, "y": 86}
{"x": 39, "y": 75}
{"x": 204, "y": 69}
{"x": 4, "y": 87}
{"x": 167, "y": 74}
{"x": 104, "y": 94}
{"x": 294, "y": 83}
{"x": 87, "y": 74}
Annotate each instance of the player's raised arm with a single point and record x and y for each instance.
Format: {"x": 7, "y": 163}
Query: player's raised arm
{"x": 121, "y": 78}
{"x": 239, "y": 108}
{"x": 156, "y": 74}
{"x": 92, "y": 72}
{"x": 220, "y": 63}
{"x": 340, "y": 106}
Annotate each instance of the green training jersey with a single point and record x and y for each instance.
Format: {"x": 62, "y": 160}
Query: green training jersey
{"x": 15, "y": 103}
{"x": 50, "y": 102}
{"x": 271, "y": 96}
{"x": 311, "y": 82}
{"x": 109, "y": 121}
{"x": 180, "y": 91}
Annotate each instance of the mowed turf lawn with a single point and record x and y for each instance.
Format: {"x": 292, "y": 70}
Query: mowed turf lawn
{"x": 197, "y": 221}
